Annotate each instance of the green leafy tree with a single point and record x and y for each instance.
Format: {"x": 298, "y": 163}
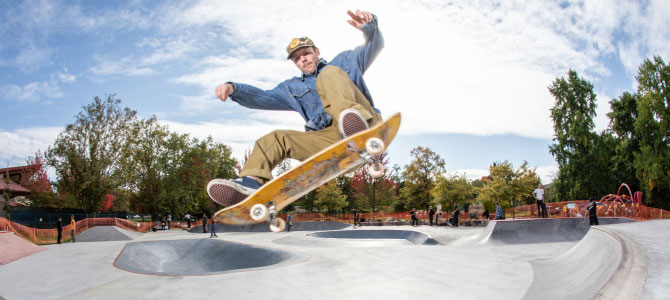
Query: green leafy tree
{"x": 329, "y": 198}
{"x": 652, "y": 127}
{"x": 451, "y": 190}
{"x": 509, "y": 186}
{"x": 420, "y": 177}
{"x": 626, "y": 143}
{"x": 85, "y": 155}
{"x": 583, "y": 157}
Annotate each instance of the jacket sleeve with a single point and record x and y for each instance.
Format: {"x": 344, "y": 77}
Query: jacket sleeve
{"x": 374, "y": 43}
{"x": 252, "y": 97}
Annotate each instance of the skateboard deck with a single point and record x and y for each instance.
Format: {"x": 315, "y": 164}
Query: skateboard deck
{"x": 342, "y": 157}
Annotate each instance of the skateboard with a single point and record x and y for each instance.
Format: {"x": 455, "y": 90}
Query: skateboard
{"x": 345, "y": 156}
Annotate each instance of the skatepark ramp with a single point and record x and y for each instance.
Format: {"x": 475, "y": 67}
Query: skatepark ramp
{"x": 200, "y": 257}
{"x": 601, "y": 265}
{"x": 107, "y": 233}
{"x": 414, "y": 237}
{"x": 13, "y": 247}
{"x": 529, "y": 231}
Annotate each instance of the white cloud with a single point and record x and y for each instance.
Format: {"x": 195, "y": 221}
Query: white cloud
{"x": 35, "y": 91}
{"x": 21, "y": 143}
{"x": 474, "y": 68}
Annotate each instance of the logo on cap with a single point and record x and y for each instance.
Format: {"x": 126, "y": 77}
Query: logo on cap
{"x": 298, "y": 43}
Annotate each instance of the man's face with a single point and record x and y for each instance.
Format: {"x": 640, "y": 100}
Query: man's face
{"x": 306, "y": 59}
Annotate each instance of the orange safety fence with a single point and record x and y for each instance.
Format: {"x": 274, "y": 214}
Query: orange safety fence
{"x": 50, "y": 236}
{"x": 567, "y": 209}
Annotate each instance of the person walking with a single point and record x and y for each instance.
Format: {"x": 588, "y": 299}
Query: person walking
{"x": 438, "y": 214}
{"x": 354, "y": 212}
{"x": 73, "y": 227}
{"x": 541, "y": 206}
{"x": 204, "y": 222}
{"x": 331, "y": 97}
{"x": 59, "y": 228}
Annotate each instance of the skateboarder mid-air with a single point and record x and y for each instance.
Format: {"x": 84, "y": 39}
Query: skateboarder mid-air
{"x": 331, "y": 97}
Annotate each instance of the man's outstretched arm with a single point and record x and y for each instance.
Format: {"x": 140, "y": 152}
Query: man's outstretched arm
{"x": 374, "y": 41}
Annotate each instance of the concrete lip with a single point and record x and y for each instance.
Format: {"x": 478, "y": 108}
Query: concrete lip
{"x": 413, "y": 237}
{"x": 201, "y": 257}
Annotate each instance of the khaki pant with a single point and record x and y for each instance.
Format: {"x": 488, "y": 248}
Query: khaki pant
{"x": 337, "y": 93}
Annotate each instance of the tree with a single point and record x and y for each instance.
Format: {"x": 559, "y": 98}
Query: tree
{"x": 374, "y": 193}
{"x": 652, "y": 127}
{"x": 509, "y": 185}
{"x": 626, "y": 143}
{"x": 453, "y": 189}
{"x": 37, "y": 181}
{"x": 329, "y": 198}
{"x": 420, "y": 177}
{"x": 85, "y": 155}
{"x": 583, "y": 158}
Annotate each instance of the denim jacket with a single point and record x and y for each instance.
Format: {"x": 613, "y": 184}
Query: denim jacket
{"x": 299, "y": 93}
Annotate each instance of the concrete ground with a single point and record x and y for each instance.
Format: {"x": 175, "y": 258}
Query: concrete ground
{"x": 619, "y": 261}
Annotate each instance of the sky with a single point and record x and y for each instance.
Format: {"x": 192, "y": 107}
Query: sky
{"x": 470, "y": 78}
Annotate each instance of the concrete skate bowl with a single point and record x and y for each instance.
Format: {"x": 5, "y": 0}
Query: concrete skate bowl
{"x": 602, "y": 265}
{"x": 201, "y": 257}
{"x": 529, "y": 231}
{"x": 416, "y": 238}
{"x": 265, "y": 227}
{"x": 107, "y": 233}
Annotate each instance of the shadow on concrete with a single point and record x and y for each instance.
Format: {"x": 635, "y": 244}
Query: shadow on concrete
{"x": 414, "y": 237}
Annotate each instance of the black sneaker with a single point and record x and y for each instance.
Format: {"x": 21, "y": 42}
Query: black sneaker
{"x": 230, "y": 192}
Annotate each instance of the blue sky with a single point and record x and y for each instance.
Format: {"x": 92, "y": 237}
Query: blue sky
{"x": 470, "y": 78}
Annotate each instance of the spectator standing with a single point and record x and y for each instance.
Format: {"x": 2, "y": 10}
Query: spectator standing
{"x": 73, "y": 227}
{"x": 204, "y": 223}
{"x": 454, "y": 218}
{"x": 212, "y": 228}
{"x": 59, "y": 227}
{"x": 541, "y": 206}
{"x": 593, "y": 211}
{"x": 169, "y": 221}
{"x": 431, "y": 214}
{"x": 188, "y": 221}
{"x": 289, "y": 221}
{"x": 415, "y": 221}
{"x": 439, "y": 213}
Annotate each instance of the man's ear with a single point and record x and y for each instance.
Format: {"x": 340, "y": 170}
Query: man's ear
{"x": 317, "y": 51}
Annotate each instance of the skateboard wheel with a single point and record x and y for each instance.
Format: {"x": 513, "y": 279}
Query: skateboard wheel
{"x": 376, "y": 170}
{"x": 259, "y": 212}
{"x": 374, "y": 146}
{"x": 278, "y": 225}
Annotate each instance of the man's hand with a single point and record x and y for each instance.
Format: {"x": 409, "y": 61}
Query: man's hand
{"x": 224, "y": 90}
{"x": 359, "y": 18}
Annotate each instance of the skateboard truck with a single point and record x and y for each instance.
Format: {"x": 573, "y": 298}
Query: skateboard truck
{"x": 260, "y": 212}
{"x": 374, "y": 147}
